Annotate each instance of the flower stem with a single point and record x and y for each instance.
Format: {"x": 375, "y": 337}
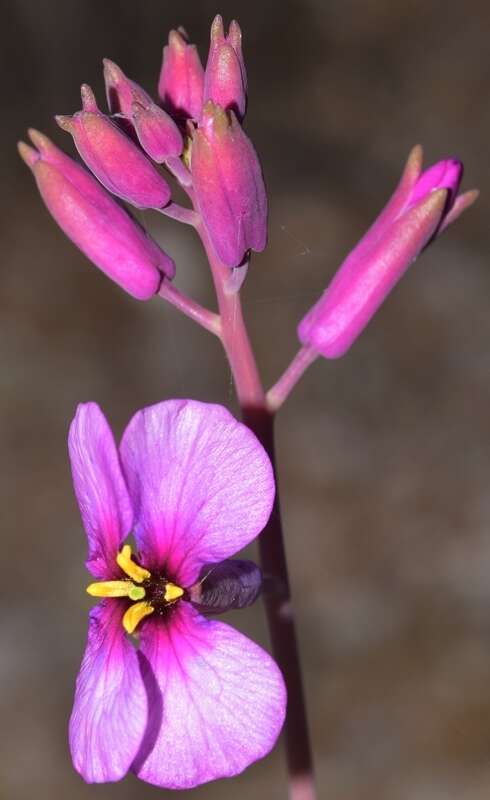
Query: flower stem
{"x": 203, "y": 316}
{"x": 179, "y": 213}
{"x": 290, "y": 377}
{"x": 278, "y": 604}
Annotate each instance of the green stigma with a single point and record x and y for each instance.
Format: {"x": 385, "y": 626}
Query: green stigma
{"x": 136, "y": 593}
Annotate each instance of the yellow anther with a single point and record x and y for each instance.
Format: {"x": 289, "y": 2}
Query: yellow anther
{"x": 116, "y": 589}
{"x": 135, "y": 614}
{"x": 172, "y": 592}
{"x": 136, "y": 573}
{"x": 110, "y": 589}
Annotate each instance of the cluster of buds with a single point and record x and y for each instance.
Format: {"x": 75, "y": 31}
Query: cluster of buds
{"x": 195, "y": 133}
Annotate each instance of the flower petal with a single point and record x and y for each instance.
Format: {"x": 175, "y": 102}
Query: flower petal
{"x": 201, "y": 484}
{"x": 109, "y": 715}
{"x": 100, "y": 488}
{"x": 218, "y": 701}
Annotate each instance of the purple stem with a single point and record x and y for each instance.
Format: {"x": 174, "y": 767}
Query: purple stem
{"x": 208, "y": 319}
{"x": 280, "y": 391}
{"x": 260, "y": 419}
{"x": 179, "y": 213}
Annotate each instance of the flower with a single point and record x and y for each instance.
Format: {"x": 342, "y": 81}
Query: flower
{"x": 225, "y": 79}
{"x": 229, "y": 187}
{"x": 198, "y": 700}
{"x": 114, "y": 159}
{"x": 92, "y": 219}
{"x": 181, "y": 81}
{"x": 422, "y": 206}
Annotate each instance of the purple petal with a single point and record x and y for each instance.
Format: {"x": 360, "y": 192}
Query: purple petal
{"x": 220, "y": 701}
{"x": 201, "y": 485}
{"x": 110, "y": 712}
{"x": 100, "y": 488}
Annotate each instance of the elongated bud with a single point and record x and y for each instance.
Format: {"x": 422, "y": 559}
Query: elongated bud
{"x": 222, "y": 587}
{"x": 113, "y": 158}
{"x": 417, "y": 212}
{"x": 229, "y": 186}
{"x": 155, "y": 130}
{"x": 157, "y": 133}
{"x": 121, "y": 91}
{"x": 181, "y": 82}
{"x": 93, "y": 220}
{"x": 225, "y": 79}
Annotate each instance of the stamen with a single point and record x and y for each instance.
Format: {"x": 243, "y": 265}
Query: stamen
{"x": 172, "y": 592}
{"x": 136, "y": 573}
{"x": 113, "y": 589}
{"x": 135, "y": 614}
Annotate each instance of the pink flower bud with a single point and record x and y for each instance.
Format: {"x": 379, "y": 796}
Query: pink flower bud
{"x": 417, "y": 212}
{"x": 181, "y": 82}
{"x": 225, "y": 79}
{"x": 229, "y": 186}
{"x": 95, "y": 222}
{"x": 156, "y": 131}
{"x": 121, "y": 92}
{"x": 114, "y": 159}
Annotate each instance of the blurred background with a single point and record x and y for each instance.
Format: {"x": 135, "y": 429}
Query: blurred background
{"x": 384, "y": 455}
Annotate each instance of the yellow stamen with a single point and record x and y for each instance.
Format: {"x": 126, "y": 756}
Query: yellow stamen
{"x": 135, "y": 614}
{"x": 136, "y": 573}
{"x": 110, "y": 589}
{"x": 172, "y": 592}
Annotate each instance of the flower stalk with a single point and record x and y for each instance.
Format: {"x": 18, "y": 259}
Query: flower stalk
{"x": 259, "y": 417}
{"x": 291, "y": 376}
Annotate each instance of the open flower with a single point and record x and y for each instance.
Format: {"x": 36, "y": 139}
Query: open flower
{"x": 197, "y": 700}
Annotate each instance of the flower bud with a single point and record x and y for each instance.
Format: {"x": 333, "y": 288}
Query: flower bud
{"x": 156, "y": 131}
{"x": 121, "y": 92}
{"x": 228, "y": 185}
{"x": 417, "y": 212}
{"x": 94, "y": 221}
{"x": 225, "y": 79}
{"x": 233, "y": 583}
{"x": 181, "y": 82}
{"x": 114, "y": 159}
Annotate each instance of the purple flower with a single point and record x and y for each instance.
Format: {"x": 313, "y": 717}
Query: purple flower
{"x": 225, "y": 79}
{"x": 422, "y": 206}
{"x": 229, "y": 186}
{"x": 197, "y": 700}
{"x": 92, "y": 219}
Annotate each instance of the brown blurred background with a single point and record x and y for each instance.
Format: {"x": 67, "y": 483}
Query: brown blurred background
{"x": 384, "y": 455}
